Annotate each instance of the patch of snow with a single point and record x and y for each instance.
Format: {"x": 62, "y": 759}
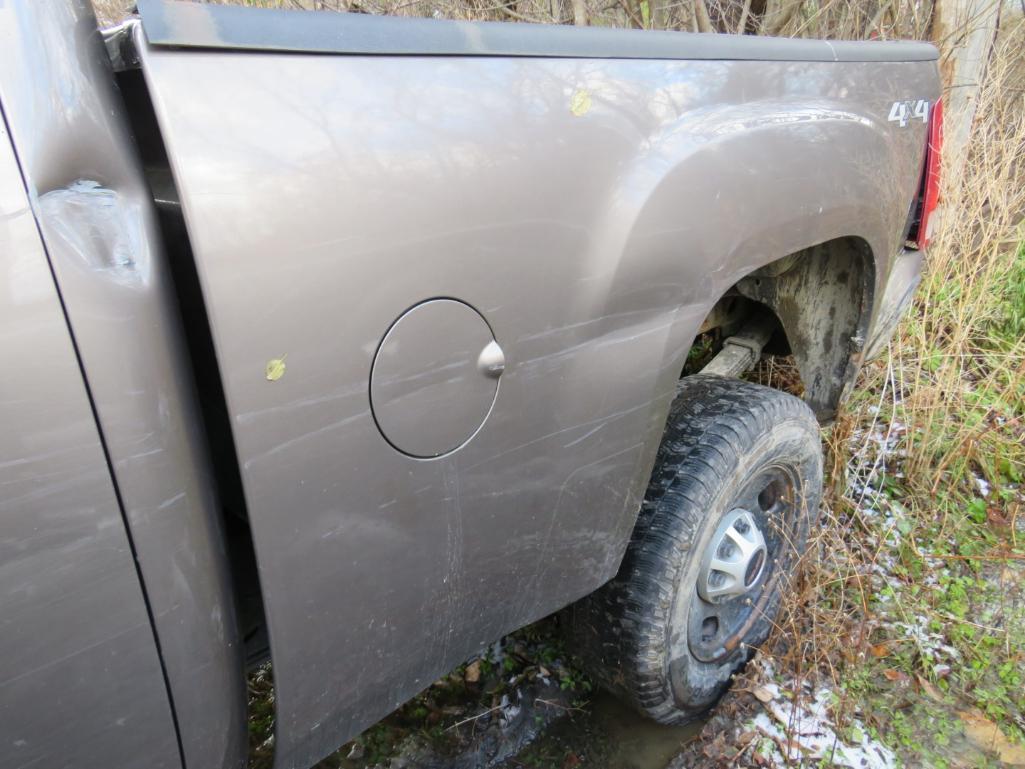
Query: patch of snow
{"x": 983, "y": 484}
{"x": 509, "y": 710}
{"x": 930, "y": 645}
{"x": 803, "y": 732}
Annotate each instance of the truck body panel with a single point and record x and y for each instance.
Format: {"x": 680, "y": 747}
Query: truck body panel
{"x": 591, "y": 210}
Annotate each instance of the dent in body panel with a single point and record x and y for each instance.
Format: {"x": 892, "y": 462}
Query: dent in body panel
{"x": 96, "y": 217}
{"x": 341, "y": 191}
{"x": 93, "y": 226}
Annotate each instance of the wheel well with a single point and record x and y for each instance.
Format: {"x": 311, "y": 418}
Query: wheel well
{"x": 819, "y": 301}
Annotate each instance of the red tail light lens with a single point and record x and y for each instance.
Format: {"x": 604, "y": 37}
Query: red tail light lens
{"x": 929, "y": 196}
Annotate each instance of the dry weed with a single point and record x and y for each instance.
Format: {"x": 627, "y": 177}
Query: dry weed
{"x": 928, "y": 460}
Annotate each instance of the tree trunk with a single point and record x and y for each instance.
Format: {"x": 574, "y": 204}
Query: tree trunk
{"x": 965, "y": 31}
{"x": 777, "y": 14}
{"x": 701, "y": 14}
{"x": 579, "y": 13}
{"x": 658, "y": 14}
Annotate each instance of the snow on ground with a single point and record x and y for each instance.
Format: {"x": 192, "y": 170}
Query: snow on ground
{"x": 799, "y": 730}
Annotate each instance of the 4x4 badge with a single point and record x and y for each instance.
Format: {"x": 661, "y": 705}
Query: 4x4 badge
{"x": 904, "y": 111}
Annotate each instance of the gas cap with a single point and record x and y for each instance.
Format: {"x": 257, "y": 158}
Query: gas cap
{"x": 435, "y": 378}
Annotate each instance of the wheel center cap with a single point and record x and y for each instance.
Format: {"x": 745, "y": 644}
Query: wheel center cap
{"x": 754, "y": 568}
{"x": 735, "y": 559}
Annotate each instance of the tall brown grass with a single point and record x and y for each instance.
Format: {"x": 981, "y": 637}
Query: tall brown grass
{"x": 955, "y": 373}
{"x": 941, "y": 416}
{"x": 958, "y": 351}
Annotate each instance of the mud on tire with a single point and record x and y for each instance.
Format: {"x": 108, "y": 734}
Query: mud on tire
{"x": 650, "y": 635}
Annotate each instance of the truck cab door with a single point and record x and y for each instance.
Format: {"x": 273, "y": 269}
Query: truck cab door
{"x": 80, "y": 674}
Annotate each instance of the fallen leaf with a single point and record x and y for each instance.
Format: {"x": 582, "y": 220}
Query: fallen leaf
{"x": 987, "y": 736}
{"x": 895, "y": 675}
{"x": 745, "y": 737}
{"x": 580, "y": 103}
{"x": 929, "y": 690}
{"x": 763, "y": 694}
{"x": 275, "y": 369}
{"x": 472, "y": 674}
{"x": 879, "y": 650}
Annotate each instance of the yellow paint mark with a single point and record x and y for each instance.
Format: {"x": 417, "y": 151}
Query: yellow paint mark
{"x": 580, "y": 102}
{"x": 275, "y": 369}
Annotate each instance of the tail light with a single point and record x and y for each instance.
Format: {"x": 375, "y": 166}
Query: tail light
{"x": 929, "y": 192}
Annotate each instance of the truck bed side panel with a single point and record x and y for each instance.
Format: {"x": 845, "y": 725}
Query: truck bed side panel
{"x": 590, "y": 210}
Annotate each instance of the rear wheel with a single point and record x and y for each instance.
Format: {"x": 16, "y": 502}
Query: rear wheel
{"x": 726, "y": 515}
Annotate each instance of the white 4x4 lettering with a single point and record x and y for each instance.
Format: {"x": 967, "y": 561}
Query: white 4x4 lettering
{"x": 904, "y": 111}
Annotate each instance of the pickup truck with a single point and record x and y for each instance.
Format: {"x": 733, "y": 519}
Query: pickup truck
{"x": 355, "y": 343}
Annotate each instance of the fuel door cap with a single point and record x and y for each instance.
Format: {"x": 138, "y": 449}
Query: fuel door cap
{"x": 435, "y": 378}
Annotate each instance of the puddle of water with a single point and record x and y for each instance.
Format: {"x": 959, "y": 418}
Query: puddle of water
{"x": 605, "y": 735}
{"x": 639, "y": 742}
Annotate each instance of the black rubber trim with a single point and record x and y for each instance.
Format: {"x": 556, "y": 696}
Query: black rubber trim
{"x": 224, "y": 27}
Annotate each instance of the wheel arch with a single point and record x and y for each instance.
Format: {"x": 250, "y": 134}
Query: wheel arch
{"x": 822, "y": 297}
{"x": 724, "y": 203}
{"x": 815, "y": 304}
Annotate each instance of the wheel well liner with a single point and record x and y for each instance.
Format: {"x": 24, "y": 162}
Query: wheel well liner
{"x": 822, "y": 297}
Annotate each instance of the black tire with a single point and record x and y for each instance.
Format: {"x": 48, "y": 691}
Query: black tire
{"x": 639, "y": 634}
